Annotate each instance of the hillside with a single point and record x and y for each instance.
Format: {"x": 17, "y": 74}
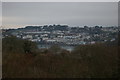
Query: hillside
{"x": 22, "y": 59}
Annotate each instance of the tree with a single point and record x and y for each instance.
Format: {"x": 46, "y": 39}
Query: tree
{"x": 16, "y": 45}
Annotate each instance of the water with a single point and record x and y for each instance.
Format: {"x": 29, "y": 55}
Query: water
{"x": 69, "y": 48}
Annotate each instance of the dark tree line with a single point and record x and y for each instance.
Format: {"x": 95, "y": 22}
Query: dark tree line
{"x": 16, "y": 45}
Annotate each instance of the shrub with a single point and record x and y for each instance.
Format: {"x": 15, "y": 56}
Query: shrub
{"x": 16, "y": 45}
{"x": 101, "y": 60}
{"x": 85, "y": 61}
{"x": 55, "y": 49}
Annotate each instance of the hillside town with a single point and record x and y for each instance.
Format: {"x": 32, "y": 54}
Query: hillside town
{"x": 63, "y": 34}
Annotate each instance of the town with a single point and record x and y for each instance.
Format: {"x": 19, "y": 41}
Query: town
{"x": 64, "y": 35}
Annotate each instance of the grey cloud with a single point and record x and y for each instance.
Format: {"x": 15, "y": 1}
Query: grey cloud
{"x": 71, "y": 13}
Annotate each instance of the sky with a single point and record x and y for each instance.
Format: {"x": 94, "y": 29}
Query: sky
{"x": 60, "y": 0}
{"x": 0, "y": 14}
{"x": 21, "y": 14}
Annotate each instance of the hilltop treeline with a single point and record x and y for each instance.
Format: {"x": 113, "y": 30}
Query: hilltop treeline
{"x": 85, "y": 61}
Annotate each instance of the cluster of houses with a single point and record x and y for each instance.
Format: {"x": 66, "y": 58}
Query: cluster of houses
{"x": 67, "y": 35}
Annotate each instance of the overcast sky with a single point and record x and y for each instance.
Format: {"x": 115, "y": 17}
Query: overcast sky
{"x": 20, "y": 14}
